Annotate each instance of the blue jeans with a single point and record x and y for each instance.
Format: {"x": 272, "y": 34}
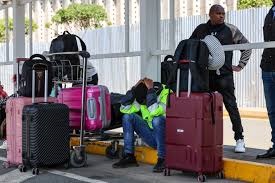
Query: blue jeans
{"x": 269, "y": 91}
{"x": 153, "y": 137}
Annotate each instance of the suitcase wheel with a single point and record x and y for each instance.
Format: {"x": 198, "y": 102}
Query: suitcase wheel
{"x": 78, "y": 158}
{"x": 220, "y": 175}
{"x": 114, "y": 151}
{"x": 201, "y": 178}
{"x": 35, "y": 171}
{"x": 22, "y": 168}
{"x": 166, "y": 172}
{"x": 67, "y": 165}
{"x": 6, "y": 165}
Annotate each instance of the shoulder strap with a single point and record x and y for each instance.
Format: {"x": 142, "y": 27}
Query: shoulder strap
{"x": 83, "y": 45}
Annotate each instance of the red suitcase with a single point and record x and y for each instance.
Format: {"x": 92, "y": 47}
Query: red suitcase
{"x": 194, "y": 133}
{"x": 194, "y": 121}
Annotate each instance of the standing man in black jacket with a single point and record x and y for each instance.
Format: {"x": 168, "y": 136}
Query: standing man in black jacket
{"x": 268, "y": 76}
{"x": 223, "y": 82}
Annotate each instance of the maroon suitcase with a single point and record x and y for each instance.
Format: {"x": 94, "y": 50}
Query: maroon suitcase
{"x": 194, "y": 133}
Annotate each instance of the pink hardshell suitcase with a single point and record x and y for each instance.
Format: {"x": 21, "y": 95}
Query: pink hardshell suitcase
{"x": 98, "y": 106}
{"x": 14, "y": 109}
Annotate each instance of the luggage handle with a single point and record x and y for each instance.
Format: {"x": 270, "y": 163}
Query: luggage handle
{"x": 167, "y": 57}
{"x": 102, "y": 107}
{"x": 187, "y": 60}
{"x": 83, "y": 54}
{"x": 38, "y": 56}
{"x": 46, "y": 83}
{"x": 36, "y": 103}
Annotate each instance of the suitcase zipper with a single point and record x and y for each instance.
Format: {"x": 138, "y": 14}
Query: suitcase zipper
{"x": 28, "y": 118}
{"x": 104, "y": 91}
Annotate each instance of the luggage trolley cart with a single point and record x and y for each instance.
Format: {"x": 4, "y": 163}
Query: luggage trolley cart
{"x": 78, "y": 156}
{"x": 61, "y": 68}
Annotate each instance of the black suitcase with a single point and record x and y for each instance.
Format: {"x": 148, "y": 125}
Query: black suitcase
{"x": 45, "y": 134}
{"x": 116, "y": 115}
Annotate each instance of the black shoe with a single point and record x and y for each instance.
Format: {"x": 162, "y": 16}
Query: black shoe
{"x": 128, "y": 160}
{"x": 160, "y": 166}
{"x": 270, "y": 153}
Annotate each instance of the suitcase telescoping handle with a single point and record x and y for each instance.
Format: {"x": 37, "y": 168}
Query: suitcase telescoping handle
{"x": 189, "y": 57}
{"x": 34, "y": 68}
{"x": 46, "y": 83}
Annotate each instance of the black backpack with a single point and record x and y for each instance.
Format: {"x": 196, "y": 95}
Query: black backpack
{"x": 66, "y": 43}
{"x": 38, "y": 63}
{"x": 191, "y": 54}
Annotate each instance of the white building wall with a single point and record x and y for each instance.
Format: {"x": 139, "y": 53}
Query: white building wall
{"x": 116, "y": 10}
{"x": 120, "y": 10}
{"x": 134, "y": 11}
{"x": 165, "y": 9}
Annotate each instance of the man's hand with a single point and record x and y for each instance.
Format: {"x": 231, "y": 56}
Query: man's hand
{"x": 149, "y": 83}
{"x": 140, "y": 81}
{"x": 236, "y": 68}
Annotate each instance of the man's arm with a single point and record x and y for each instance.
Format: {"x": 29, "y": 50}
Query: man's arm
{"x": 128, "y": 103}
{"x": 238, "y": 38}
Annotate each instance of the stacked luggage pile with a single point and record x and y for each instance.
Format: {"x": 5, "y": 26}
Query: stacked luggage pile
{"x": 38, "y": 126}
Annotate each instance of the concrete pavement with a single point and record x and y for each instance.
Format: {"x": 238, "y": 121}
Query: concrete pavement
{"x": 99, "y": 170}
{"x": 240, "y": 167}
{"x": 243, "y": 167}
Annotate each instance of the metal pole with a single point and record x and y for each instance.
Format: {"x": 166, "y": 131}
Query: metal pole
{"x": 7, "y": 34}
{"x": 172, "y": 25}
{"x": 127, "y": 26}
{"x": 83, "y": 99}
{"x": 30, "y": 29}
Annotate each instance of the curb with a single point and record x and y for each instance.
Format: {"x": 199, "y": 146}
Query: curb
{"x": 249, "y": 171}
{"x": 257, "y": 113}
{"x": 233, "y": 169}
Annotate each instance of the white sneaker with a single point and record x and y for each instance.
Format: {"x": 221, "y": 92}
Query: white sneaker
{"x": 240, "y": 146}
{"x": 4, "y": 145}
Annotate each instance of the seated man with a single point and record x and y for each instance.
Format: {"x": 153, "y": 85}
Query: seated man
{"x": 144, "y": 108}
